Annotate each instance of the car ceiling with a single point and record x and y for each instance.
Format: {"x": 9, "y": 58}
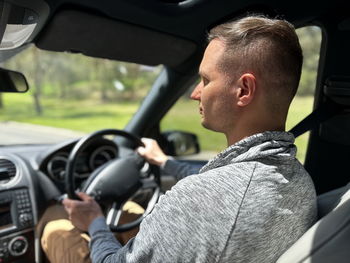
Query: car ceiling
{"x": 98, "y": 28}
{"x": 156, "y": 31}
{"x": 190, "y": 19}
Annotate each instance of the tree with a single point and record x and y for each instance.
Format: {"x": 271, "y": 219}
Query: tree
{"x": 76, "y": 76}
{"x": 33, "y": 64}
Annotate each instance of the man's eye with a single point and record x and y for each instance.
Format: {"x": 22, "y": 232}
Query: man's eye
{"x": 205, "y": 82}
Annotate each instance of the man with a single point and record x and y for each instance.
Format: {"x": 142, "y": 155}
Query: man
{"x": 254, "y": 199}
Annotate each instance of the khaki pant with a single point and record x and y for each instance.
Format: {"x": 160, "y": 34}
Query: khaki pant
{"x": 64, "y": 243}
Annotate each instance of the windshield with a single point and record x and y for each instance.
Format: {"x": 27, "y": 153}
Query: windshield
{"x": 70, "y": 95}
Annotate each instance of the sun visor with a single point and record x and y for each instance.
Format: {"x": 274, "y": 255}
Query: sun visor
{"x": 97, "y": 36}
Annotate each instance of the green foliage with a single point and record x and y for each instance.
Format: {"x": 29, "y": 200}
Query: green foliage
{"x": 299, "y": 109}
{"x": 74, "y": 76}
{"x": 79, "y": 115}
{"x": 310, "y": 41}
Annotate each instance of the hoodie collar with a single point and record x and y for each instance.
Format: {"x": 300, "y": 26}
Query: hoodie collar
{"x": 269, "y": 144}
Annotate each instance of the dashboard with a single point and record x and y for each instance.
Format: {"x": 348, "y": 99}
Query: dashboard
{"x": 18, "y": 210}
{"x": 31, "y": 177}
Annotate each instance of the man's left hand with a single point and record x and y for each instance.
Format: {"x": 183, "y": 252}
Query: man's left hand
{"x": 82, "y": 213}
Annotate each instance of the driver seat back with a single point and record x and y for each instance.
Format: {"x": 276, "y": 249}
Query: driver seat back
{"x": 327, "y": 240}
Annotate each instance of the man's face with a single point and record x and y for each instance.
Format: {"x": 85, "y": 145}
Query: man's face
{"x": 215, "y": 93}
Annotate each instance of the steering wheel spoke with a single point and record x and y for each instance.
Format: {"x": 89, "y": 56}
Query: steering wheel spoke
{"x": 114, "y": 215}
{"x": 149, "y": 183}
{"x": 152, "y": 202}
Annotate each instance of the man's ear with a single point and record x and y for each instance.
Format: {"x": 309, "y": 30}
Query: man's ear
{"x": 246, "y": 89}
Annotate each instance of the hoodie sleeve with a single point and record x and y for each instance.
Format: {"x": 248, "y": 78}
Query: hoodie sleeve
{"x": 179, "y": 169}
{"x": 183, "y": 227}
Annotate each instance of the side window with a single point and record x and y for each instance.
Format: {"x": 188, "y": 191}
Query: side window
{"x": 310, "y": 40}
{"x": 184, "y": 114}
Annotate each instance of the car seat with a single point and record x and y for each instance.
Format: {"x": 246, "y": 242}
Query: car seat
{"x": 328, "y": 240}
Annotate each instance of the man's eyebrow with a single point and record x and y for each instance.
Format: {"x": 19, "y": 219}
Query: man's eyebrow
{"x": 202, "y": 74}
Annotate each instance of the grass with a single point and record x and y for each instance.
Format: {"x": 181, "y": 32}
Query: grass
{"x": 299, "y": 109}
{"x": 88, "y": 116}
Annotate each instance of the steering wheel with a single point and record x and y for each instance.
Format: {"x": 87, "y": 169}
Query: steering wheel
{"x": 115, "y": 182}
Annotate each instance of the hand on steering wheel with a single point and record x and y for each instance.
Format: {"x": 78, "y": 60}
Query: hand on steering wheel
{"x": 115, "y": 182}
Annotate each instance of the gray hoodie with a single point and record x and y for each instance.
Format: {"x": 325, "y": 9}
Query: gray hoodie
{"x": 248, "y": 204}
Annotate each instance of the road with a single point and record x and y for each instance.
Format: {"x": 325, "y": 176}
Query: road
{"x": 22, "y": 133}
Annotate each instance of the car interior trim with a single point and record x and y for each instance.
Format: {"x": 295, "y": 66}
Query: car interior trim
{"x": 75, "y": 31}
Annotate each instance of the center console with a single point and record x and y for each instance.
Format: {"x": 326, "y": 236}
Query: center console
{"x": 16, "y": 226}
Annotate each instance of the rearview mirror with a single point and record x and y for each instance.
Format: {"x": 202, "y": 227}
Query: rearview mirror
{"x": 12, "y": 81}
{"x": 181, "y": 143}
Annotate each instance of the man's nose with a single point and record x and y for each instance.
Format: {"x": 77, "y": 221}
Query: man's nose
{"x": 196, "y": 93}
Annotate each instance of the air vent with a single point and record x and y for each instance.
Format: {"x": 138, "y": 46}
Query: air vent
{"x": 7, "y": 171}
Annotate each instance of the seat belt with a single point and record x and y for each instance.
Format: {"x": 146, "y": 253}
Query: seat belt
{"x": 324, "y": 112}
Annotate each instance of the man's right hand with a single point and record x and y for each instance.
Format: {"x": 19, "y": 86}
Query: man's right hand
{"x": 152, "y": 152}
{"x": 82, "y": 212}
